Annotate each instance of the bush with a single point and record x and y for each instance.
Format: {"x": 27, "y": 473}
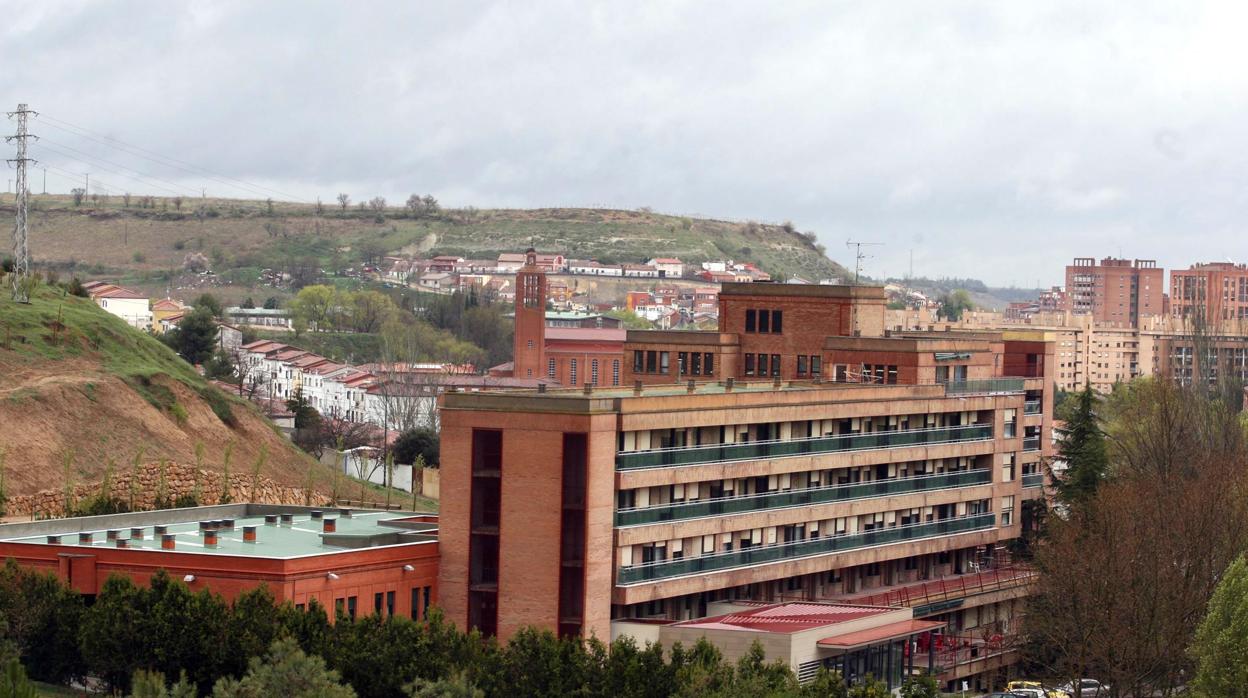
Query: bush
{"x": 138, "y": 257}
{"x": 220, "y": 405}
{"x": 417, "y": 442}
{"x": 179, "y": 414}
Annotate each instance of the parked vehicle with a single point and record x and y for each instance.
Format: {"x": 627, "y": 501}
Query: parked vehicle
{"x": 1043, "y": 691}
{"x": 1088, "y": 688}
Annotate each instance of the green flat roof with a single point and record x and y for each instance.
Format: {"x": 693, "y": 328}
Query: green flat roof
{"x": 301, "y": 538}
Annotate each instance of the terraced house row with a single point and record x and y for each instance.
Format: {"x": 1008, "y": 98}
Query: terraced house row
{"x": 893, "y": 475}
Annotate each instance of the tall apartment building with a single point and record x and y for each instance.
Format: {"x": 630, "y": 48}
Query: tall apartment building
{"x": 900, "y": 467}
{"x": 1216, "y": 291}
{"x": 1115, "y": 290}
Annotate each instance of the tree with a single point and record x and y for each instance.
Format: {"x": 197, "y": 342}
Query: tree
{"x": 209, "y": 302}
{"x": 1082, "y": 446}
{"x": 377, "y": 204}
{"x": 177, "y": 203}
{"x": 1221, "y": 642}
{"x": 285, "y": 672}
{"x": 344, "y": 201}
{"x": 416, "y": 443}
{"x": 79, "y": 194}
{"x": 456, "y": 686}
{"x": 113, "y": 638}
{"x": 248, "y": 303}
{"x": 195, "y": 337}
{"x": 369, "y": 310}
{"x": 272, "y": 303}
{"x": 13, "y": 682}
{"x": 314, "y": 307}
{"x": 954, "y": 303}
{"x": 923, "y": 686}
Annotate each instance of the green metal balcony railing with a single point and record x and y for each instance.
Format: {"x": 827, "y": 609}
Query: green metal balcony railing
{"x": 1031, "y": 407}
{"x": 754, "y": 450}
{"x": 664, "y": 569}
{"x": 1031, "y": 443}
{"x": 987, "y": 385}
{"x": 721, "y": 506}
{"x": 1034, "y": 480}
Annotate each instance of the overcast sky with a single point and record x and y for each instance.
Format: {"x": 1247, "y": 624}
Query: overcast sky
{"x": 990, "y": 140}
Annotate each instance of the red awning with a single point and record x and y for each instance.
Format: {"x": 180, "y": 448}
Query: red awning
{"x": 892, "y": 631}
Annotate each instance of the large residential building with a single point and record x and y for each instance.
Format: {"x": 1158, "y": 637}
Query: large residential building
{"x": 126, "y": 303}
{"x": 1115, "y": 290}
{"x": 358, "y": 562}
{"x": 1212, "y": 292}
{"x": 888, "y": 467}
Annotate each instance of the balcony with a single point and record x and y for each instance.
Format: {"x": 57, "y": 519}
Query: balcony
{"x": 1031, "y": 443}
{"x": 1033, "y": 480}
{"x": 1031, "y": 407}
{"x": 801, "y": 497}
{"x": 756, "y": 450}
{"x": 987, "y": 385}
{"x": 665, "y": 569}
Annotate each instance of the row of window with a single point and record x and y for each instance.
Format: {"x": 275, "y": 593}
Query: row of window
{"x": 688, "y": 363}
{"x": 764, "y": 321}
{"x": 348, "y": 606}
{"x": 574, "y": 371}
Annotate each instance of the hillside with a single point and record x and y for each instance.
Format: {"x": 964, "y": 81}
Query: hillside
{"x": 147, "y": 246}
{"x": 76, "y": 380}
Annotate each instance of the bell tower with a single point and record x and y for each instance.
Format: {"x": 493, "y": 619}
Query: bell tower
{"x": 530, "y": 336}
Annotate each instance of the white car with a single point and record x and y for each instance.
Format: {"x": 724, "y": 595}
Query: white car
{"x": 1088, "y": 688}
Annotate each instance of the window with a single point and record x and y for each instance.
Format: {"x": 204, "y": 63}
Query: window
{"x": 801, "y": 365}
{"x": 816, "y": 365}
{"x": 530, "y": 344}
{"x": 761, "y": 364}
{"x": 550, "y": 369}
{"x": 339, "y": 606}
{"x": 377, "y": 603}
{"x": 777, "y": 321}
{"x": 764, "y": 321}
{"x": 695, "y": 363}
{"x": 639, "y": 361}
{"x": 615, "y": 372}
{"x": 351, "y": 605}
{"x": 415, "y": 603}
{"x": 775, "y": 365}
{"x": 749, "y": 321}
{"x": 572, "y": 370}
{"x": 424, "y": 606}
{"x": 652, "y": 361}
{"x": 682, "y": 362}
{"x": 593, "y": 372}
{"x": 664, "y": 359}
{"x": 708, "y": 364}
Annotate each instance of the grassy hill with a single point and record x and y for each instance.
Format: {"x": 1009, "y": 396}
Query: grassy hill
{"x": 76, "y": 380}
{"x": 148, "y": 246}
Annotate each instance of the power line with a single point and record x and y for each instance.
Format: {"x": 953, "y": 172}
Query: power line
{"x": 167, "y": 161}
{"x": 144, "y": 175}
{"x": 101, "y": 166}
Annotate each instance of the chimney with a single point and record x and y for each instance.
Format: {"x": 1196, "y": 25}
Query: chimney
{"x": 210, "y": 538}
{"x": 637, "y": 387}
{"x": 690, "y": 387}
{"x": 329, "y": 525}
{"x": 166, "y": 541}
{"x": 317, "y": 514}
{"x": 249, "y": 534}
{"x": 123, "y": 543}
{"x": 112, "y": 534}
{"x": 288, "y": 519}
{"x": 729, "y": 384}
{"x": 344, "y": 513}
{"x": 136, "y": 533}
{"x": 84, "y": 538}
{"x": 270, "y": 519}
{"x": 54, "y": 540}
{"x": 159, "y": 530}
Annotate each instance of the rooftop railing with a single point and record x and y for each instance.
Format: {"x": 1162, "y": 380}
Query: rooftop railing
{"x": 721, "y": 506}
{"x": 665, "y": 569}
{"x": 986, "y": 385}
{"x": 755, "y": 450}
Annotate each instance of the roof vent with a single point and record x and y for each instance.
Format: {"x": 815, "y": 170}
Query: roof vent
{"x": 287, "y": 519}
{"x": 329, "y": 525}
{"x": 54, "y": 540}
{"x": 167, "y": 542}
{"x": 111, "y": 535}
{"x": 317, "y": 514}
{"x": 84, "y": 538}
{"x": 136, "y": 533}
{"x": 249, "y": 534}
{"x": 270, "y": 519}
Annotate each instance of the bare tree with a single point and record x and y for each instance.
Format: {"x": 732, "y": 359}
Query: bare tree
{"x": 378, "y": 204}
{"x": 125, "y": 199}
{"x": 344, "y": 201}
{"x": 320, "y": 207}
{"x": 177, "y": 203}
{"x": 78, "y": 193}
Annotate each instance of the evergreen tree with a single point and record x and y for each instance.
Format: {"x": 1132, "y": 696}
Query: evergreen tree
{"x": 13, "y": 682}
{"x": 1221, "y": 641}
{"x": 195, "y": 337}
{"x": 1082, "y": 446}
{"x": 285, "y": 672}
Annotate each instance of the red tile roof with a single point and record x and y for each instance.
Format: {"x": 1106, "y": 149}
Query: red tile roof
{"x": 870, "y": 636}
{"x": 787, "y": 618}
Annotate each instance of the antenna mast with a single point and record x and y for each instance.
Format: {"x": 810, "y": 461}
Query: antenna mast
{"x": 859, "y": 255}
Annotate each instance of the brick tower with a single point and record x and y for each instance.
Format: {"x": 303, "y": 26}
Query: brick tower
{"x": 530, "y": 335}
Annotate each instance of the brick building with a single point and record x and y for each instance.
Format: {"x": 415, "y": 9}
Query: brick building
{"x": 1115, "y": 290}
{"x": 587, "y": 510}
{"x": 358, "y": 561}
{"x": 1213, "y": 292}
